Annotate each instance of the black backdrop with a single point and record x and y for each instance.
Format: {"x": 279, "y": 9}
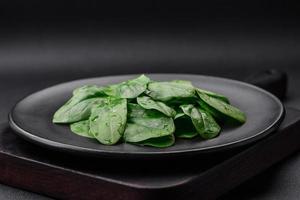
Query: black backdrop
{"x": 169, "y": 8}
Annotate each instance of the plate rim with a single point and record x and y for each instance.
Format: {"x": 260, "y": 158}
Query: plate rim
{"x": 83, "y": 150}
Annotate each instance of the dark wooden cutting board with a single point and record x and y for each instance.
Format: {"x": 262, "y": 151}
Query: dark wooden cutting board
{"x": 65, "y": 176}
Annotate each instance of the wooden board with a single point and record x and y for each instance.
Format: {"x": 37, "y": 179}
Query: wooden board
{"x": 65, "y": 176}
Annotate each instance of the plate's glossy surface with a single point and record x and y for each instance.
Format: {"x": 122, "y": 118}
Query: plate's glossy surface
{"x": 31, "y": 118}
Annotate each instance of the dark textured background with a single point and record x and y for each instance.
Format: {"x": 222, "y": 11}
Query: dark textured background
{"x": 47, "y": 42}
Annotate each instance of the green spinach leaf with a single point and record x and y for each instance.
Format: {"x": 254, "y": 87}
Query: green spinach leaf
{"x": 166, "y": 91}
{"x": 179, "y": 114}
{"x": 82, "y": 128}
{"x": 160, "y": 142}
{"x": 184, "y": 127}
{"x": 223, "y": 108}
{"x": 107, "y": 122}
{"x": 213, "y": 94}
{"x": 74, "y": 112}
{"x": 148, "y": 103}
{"x": 145, "y": 124}
{"x": 204, "y": 123}
{"x": 129, "y": 89}
{"x": 216, "y": 114}
{"x": 87, "y": 91}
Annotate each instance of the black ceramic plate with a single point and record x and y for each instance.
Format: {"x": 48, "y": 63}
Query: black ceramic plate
{"x": 31, "y": 118}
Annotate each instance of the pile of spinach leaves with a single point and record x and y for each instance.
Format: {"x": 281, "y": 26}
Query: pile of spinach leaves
{"x": 146, "y": 112}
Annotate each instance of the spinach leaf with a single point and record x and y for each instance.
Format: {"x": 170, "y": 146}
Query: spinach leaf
{"x": 135, "y": 111}
{"x": 223, "y": 108}
{"x": 216, "y": 114}
{"x": 148, "y": 103}
{"x": 179, "y": 115}
{"x": 74, "y": 112}
{"x": 160, "y": 142}
{"x": 66, "y": 113}
{"x": 213, "y": 94}
{"x": 128, "y": 89}
{"x": 204, "y": 123}
{"x": 81, "y": 128}
{"x": 176, "y": 102}
{"x": 107, "y": 122}
{"x": 165, "y": 91}
{"x": 209, "y": 93}
{"x": 184, "y": 127}
{"x": 143, "y": 125}
{"x": 87, "y": 91}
